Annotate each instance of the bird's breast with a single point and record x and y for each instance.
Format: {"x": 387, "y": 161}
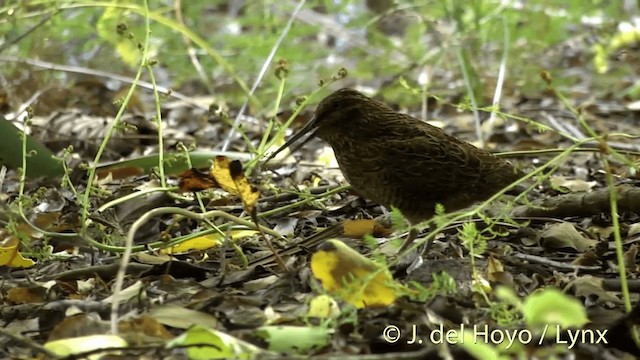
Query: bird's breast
{"x": 367, "y": 174}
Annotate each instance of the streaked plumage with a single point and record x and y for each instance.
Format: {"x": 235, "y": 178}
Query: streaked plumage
{"x": 397, "y": 160}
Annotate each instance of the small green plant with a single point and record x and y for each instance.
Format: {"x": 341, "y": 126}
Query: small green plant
{"x": 443, "y": 284}
{"x": 473, "y": 239}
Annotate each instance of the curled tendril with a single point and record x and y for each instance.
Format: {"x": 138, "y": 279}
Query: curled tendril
{"x": 342, "y": 73}
{"x": 282, "y": 69}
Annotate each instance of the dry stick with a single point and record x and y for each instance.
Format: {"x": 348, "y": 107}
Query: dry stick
{"x": 581, "y": 204}
{"x": 548, "y": 262}
{"x": 124, "y": 262}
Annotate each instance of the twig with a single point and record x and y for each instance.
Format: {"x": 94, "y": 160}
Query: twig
{"x": 552, "y": 263}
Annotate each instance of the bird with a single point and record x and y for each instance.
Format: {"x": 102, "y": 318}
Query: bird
{"x": 397, "y": 160}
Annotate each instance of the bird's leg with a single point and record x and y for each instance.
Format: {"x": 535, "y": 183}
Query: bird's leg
{"x": 427, "y": 247}
{"x": 411, "y": 236}
{"x": 413, "y": 233}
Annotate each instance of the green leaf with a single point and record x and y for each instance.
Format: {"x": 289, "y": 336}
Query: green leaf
{"x": 78, "y": 345}
{"x": 294, "y": 339}
{"x": 220, "y": 345}
{"x": 40, "y": 160}
{"x": 550, "y": 306}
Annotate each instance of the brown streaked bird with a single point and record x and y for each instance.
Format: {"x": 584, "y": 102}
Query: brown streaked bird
{"x": 397, "y": 160}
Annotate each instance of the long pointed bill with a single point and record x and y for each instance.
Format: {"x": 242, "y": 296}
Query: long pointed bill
{"x": 309, "y": 130}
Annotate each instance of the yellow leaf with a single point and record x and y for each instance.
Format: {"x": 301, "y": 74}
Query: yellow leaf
{"x": 221, "y": 171}
{"x": 10, "y": 256}
{"x": 352, "y": 277}
{"x": 225, "y": 174}
{"x": 230, "y": 177}
{"x": 324, "y": 307}
{"x": 206, "y": 242}
{"x": 359, "y": 228}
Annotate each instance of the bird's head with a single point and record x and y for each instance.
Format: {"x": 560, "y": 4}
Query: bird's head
{"x": 333, "y": 114}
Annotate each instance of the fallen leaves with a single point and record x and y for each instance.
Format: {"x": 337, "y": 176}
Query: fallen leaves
{"x": 26, "y": 295}
{"x": 323, "y": 307}
{"x": 564, "y": 235}
{"x": 78, "y": 345}
{"x": 294, "y": 339}
{"x": 352, "y": 277}
{"x": 213, "y": 344}
{"x": 361, "y": 227}
{"x": 229, "y": 176}
{"x": 226, "y": 175}
{"x": 572, "y": 185}
{"x": 10, "y": 256}
{"x": 592, "y": 287}
{"x": 207, "y": 241}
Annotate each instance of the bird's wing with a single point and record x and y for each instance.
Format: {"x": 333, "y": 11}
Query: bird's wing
{"x": 425, "y": 154}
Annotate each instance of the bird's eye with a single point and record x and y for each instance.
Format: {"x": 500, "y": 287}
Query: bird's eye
{"x": 328, "y": 109}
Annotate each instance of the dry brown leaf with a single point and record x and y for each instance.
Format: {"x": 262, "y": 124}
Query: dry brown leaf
{"x": 27, "y": 295}
{"x": 225, "y": 174}
{"x": 564, "y": 235}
